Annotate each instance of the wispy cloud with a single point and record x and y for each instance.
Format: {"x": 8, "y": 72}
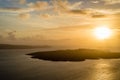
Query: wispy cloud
{"x": 46, "y": 16}
{"x": 63, "y": 6}
{"x": 95, "y": 1}
{"x": 38, "y": 5}
{"x": 111, "y": 2}
{"x": 72, "y": 28}
{"x": 59, "y": 7}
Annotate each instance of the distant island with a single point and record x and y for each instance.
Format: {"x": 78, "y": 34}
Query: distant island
{"x": 9, "y": 46}
{"x": 75, "y": 55}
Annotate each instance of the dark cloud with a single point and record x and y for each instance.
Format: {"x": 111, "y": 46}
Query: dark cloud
{"x": 79, "y": 11}
{"x": 15, "y": 9}
{"x": 99, "y": 16}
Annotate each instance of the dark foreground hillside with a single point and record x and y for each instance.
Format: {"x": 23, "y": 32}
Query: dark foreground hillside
{"x": 74, "y": 55}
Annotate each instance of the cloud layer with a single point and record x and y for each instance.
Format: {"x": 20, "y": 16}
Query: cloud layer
{"x": 111, "y": 2}
{"x": 58, "y": 7}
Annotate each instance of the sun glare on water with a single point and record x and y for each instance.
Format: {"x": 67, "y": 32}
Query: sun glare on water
{"x": 103, "y": 32}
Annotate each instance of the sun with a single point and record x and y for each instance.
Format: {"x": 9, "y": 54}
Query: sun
{"x": 102, "y": 32}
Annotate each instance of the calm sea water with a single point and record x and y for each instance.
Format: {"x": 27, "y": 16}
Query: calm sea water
{"x": 15, "y": 65}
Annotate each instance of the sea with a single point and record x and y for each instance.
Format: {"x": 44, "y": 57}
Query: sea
{"x": 16, "y": 65}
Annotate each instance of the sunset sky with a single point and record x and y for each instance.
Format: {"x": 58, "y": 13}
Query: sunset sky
{"x": 58, "y": 22}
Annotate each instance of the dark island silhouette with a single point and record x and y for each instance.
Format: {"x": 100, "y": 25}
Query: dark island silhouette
{"x": 11, "y": 46}
{"x": 75, "y": 55}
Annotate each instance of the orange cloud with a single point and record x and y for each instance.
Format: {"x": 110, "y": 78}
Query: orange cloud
{"x": 58, "y": 7}
{"x": 72, "y": 28}
{"x": 24, "y": 15}
{"x": 22, "y": 1}
{"x": 39, "y": 5}
{"x": 45, "y": 16}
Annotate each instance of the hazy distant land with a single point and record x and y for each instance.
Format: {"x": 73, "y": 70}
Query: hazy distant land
{"x": 9, "y": 46}
{"x": 74, "y": 55}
